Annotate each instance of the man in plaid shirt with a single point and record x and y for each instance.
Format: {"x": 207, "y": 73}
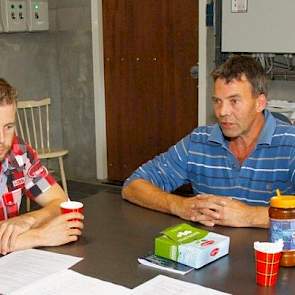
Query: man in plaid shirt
{"x": 21, "y": 173}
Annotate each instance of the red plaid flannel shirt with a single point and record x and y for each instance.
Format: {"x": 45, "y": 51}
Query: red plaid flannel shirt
{"x": 22, "y": 174}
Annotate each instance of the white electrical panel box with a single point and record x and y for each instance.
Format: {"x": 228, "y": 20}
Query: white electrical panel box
{"x": 37, "y": 15}
{"x": 14, "y": 15}
{"x": 264, "y": 26}
{"x": 23, "y": 15}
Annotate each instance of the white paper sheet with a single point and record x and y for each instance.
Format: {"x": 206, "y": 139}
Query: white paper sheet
{"x": 68, "y": 282}
{"x": 163, "y": 285}
{"x": 20, "y": 268}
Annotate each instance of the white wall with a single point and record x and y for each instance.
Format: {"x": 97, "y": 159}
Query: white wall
{"x": 202, "y": 90}
{"x": 99, "y": 89}
{"x": 206, "y": 65}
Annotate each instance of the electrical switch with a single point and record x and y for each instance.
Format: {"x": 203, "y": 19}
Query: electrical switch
{"x": 23, "y": 15}
{"x": 37, "y": 15}
{"x": 13, "y": 14}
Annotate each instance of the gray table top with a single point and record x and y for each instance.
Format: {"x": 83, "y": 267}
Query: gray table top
{"x": 117, "y": 232}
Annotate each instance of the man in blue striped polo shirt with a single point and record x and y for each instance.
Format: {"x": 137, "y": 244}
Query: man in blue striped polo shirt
{"x": 234, "y": 166}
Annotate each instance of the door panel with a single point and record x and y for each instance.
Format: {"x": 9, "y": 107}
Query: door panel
{"x": 151, "y": 99}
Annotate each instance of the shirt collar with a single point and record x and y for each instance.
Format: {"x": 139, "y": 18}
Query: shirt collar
{"x": 10, "y": 162}
{"x": 268, "y": 128}
{"x": 265, "y": 135}
{"x": 217, "y": 135}
{"x": 4, "y": 165}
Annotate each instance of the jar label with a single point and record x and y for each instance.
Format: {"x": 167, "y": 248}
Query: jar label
{"x": 283, "y": 229}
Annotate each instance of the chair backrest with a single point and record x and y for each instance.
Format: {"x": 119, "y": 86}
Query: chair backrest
{"x": 33, "y": 122}
{"x": 282, "y": 117}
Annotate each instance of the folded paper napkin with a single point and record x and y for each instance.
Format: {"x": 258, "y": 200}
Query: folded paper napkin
{"x": 268, "y": 247}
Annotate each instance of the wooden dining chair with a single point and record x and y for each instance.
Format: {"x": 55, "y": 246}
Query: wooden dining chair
{"x": 33, "y": 126}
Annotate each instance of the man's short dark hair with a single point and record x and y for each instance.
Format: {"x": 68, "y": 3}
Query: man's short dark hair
{"x": 238, "y": 65}
{"x": 7, "y": 93}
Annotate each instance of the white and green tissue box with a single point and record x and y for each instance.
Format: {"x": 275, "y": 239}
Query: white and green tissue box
{"x": 190, "y": 245}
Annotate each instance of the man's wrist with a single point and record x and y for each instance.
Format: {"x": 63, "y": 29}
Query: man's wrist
{"x": 29, "y": 239}
{"x": 29, "y": 219}
{"x": 174, "y": 203}
{"x": 37, "y": 238}
{"x": 260, "y": 217}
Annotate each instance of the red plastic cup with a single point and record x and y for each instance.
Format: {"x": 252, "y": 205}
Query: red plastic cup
{"x": 71, "y": 206}
{"x": 11, "y": 206}
{"x": 267, "y": 268}
{"x": 2, "y": 214}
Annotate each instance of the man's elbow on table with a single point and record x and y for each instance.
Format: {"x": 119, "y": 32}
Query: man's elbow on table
{"x": 129, "y": 190}
{"x": 143, "y": 193}
{"x": 139, "y": 188}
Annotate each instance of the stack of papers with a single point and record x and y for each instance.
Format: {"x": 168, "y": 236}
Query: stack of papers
{"x": 21, "y": 268}
{"x": 68, "y": 282}
{"x": 35, "y": 272}
{"x": 162, "y": 285}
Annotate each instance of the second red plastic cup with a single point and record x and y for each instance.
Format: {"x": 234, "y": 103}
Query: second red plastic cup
{"x": 267, "y": 268}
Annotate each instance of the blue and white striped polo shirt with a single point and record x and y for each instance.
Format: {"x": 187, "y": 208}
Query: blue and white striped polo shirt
{"x": 203, "y": 159}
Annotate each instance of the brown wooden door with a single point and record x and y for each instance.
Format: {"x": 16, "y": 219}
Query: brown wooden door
{"x": 151, "y": 99}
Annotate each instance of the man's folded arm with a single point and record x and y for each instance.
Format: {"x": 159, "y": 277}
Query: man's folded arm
{"x": 60, "y": 230}
{"x": 143, "y": 193}
{"x": 49, "y": 201}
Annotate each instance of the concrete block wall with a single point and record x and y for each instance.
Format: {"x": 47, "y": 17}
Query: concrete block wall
{"x": 29, "y": 63}
{"x": 58, "y": 63}
{"x": 74, "y": 59}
